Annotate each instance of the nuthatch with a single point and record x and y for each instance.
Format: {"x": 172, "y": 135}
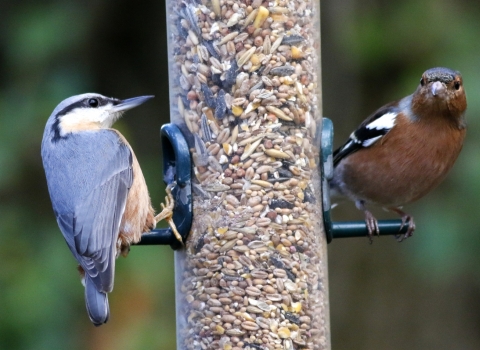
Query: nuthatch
{"x": 97, "y": 188}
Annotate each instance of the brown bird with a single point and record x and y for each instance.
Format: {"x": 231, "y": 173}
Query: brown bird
{"x": 98, "y": 192}
{"x": 405, "y": 149}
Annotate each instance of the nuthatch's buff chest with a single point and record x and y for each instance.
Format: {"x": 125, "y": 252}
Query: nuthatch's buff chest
{"x": 139, "y": 216}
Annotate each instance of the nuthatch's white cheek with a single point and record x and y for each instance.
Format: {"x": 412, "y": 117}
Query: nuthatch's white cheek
{"x": 68, "y": 125}
{"x": 81, "y": 119}
{"x": 110, "y": 119}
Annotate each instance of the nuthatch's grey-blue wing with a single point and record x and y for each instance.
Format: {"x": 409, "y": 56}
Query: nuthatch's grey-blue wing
{"x": 97, "y": 189}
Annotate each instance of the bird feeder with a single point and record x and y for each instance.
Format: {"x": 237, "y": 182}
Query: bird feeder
{"x": 248, "y": 156}
{"x": 245, "y": 99}
{"x": 244, "y": 92}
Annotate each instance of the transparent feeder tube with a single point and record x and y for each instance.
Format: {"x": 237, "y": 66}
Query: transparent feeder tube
{"x": 245, "y": 91}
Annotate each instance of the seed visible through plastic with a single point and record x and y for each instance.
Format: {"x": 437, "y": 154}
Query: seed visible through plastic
{"x": 245, "y": 93}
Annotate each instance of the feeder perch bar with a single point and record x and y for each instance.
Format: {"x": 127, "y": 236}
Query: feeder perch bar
{"x": 177, "y": 169}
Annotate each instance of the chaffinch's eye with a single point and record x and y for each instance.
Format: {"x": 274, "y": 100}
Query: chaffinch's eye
{"x": 457, "y": 85}
{"x": 422, "y": 81}
{"x": 93, "y": 102}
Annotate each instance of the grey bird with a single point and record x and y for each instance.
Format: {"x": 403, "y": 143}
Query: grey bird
{"x": 97, "y": 189}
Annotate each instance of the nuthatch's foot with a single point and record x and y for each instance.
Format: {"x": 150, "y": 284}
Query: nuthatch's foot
{"x": 167, "y": 212}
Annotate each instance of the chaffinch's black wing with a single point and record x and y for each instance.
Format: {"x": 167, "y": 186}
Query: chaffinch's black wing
{"x": 370, "y": 131}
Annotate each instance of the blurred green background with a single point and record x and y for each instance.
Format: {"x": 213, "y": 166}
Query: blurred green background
{"x": 421, "y": 294}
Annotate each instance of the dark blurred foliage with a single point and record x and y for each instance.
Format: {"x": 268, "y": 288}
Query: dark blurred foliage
{"x": 421, "y": 294}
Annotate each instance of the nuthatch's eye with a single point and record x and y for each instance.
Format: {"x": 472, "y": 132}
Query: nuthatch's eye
{"x": 457, "y": 85}
{"x": 422, "y": 81}
{"x": 93, "y": 102}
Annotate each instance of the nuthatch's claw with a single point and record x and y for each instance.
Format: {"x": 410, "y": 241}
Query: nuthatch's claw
{"x": 167, "y": 212}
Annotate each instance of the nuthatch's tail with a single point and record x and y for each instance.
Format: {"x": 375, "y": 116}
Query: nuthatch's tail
{"x": 97, "y": 303}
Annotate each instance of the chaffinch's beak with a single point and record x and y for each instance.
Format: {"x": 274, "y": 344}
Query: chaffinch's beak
{"x": 437, "y": 88}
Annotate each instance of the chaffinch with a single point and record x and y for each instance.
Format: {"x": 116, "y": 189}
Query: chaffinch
{"x": 404, "y": 149}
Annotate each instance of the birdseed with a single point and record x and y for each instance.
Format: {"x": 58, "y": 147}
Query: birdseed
{"x": 245, "y": 92}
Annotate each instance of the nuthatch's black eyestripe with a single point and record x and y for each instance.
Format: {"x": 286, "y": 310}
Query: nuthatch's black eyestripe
{"x": 85, "y": 104}
{"x": 56, "y": 130}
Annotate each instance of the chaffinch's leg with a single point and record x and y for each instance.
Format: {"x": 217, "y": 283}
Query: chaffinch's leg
{"x": 406, "y": 220}
{"x": 372, "y": 223}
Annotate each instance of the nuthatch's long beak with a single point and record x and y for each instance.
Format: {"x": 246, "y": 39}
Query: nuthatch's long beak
{"x": 130, "y": 103}
{"x": 437, "y": 88}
